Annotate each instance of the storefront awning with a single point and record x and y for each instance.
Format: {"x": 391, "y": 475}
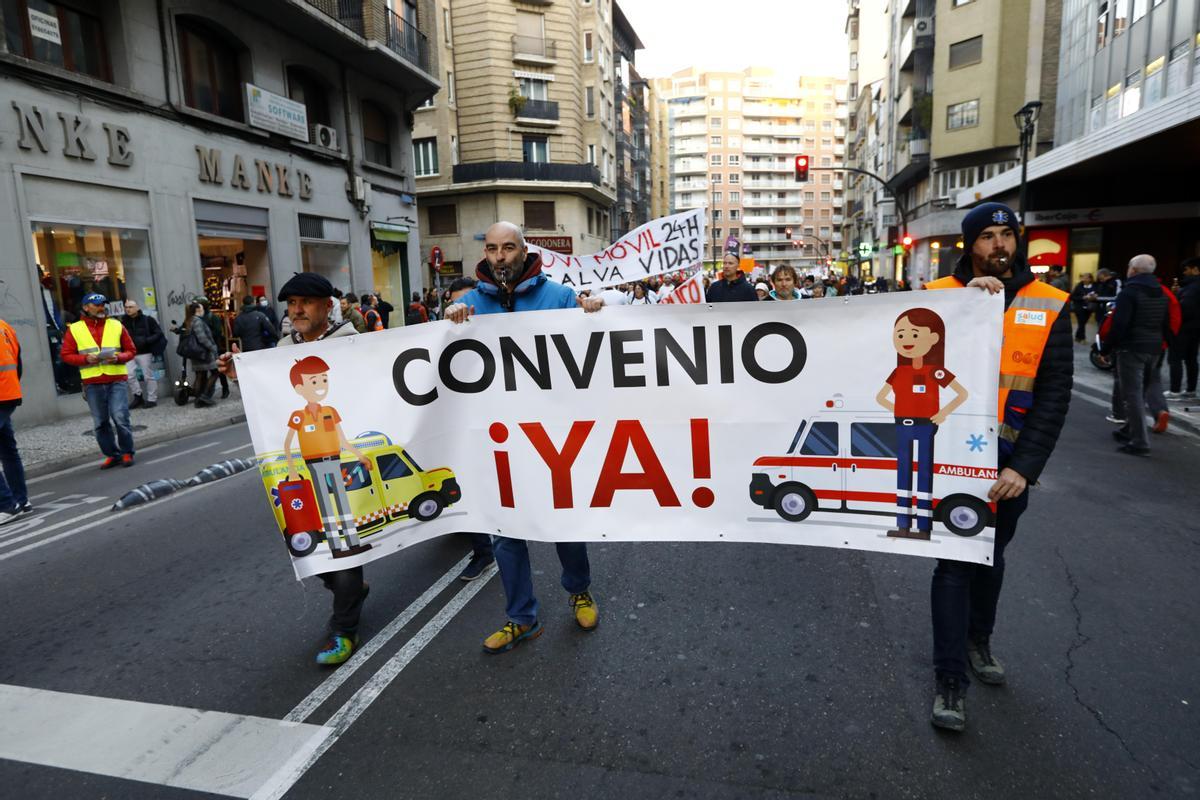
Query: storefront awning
{"x": 389, "y": 233}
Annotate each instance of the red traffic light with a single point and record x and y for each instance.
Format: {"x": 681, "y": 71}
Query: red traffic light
{"x": 801, "y": 169}
{"x": 908, "y": 240}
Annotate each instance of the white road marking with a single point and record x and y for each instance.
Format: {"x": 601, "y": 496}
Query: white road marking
{"x": 207, "y": 751}
{"x": 39, "y": 515}
{"x": 180, "y": 453}
{"x": 112, "y": 516}
{"x": 331, "y": 684}
{"x": 43, "y": 494}
{"x": 235, "y": 449}
{"x": 48, "y": 528}
{"x": 1107, "y": 406}
{"x": 283, "y": 780}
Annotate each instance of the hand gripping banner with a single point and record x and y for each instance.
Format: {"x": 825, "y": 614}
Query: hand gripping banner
{"x": 867, "y": 424}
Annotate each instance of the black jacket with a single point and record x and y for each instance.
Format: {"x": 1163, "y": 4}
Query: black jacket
{"x": 1189, "y": 303}
{"x": 146, "y": 335}
{"x": 723, "y": 291}
{"x": 254, "y": 329}
{"x": 1079, "y": 301}
{"x": 1052, "y": 386}
{"x": 1141, "y": 322}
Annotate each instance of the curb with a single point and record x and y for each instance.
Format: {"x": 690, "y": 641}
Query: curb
{"x": 54, "y": 465}
{"x": 1177, "y": 421}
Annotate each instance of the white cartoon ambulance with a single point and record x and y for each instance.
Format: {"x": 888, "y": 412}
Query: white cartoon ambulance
{"x": 845, "y": 461}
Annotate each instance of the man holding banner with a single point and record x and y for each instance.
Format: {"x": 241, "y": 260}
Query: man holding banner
{"x": 511, "y": 279}
{"x": 1036, "y": 366}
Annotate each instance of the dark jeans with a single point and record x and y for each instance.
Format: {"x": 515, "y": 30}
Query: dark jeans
{"x": 1082, "y": 318}
{"x": 512, "y": 556}
{"x": 481, "y": 544}
{"x": 1140, "y": 386}
{"x": 964, "y": 596}
{"x": 13, "y": 493}
{"x": 109, "y": 404}
{"x": 1184, "y": 354}
{"x": 347, "y": 588}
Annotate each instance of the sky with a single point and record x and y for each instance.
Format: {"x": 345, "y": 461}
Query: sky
{"x": 803, "y": 37}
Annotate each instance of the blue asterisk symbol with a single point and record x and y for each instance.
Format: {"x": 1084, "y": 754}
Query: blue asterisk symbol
{"x": 976, "y": 443}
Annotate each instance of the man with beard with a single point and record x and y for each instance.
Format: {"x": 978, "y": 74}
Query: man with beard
{"x": 511, "y": 279}
{"x": 733, "y": 286}
{"x": 1036, "y": 365}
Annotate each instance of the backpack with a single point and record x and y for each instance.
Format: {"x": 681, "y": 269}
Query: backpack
{"x": 412, "y": 316}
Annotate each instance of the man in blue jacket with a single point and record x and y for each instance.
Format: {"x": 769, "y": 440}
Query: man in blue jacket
{"x": 511, "y": 279}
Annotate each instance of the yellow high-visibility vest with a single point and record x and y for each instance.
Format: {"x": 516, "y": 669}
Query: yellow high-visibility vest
{"x": 111, "y": 338}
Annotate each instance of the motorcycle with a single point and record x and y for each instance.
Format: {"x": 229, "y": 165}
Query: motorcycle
{"x": 1099, "y": 355}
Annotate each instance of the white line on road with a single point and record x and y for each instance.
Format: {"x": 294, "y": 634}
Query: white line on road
{"x": 180, "y": 453}
{"x": 331, "y": 684}
{"x": 112, "y": 517}
{"x": 235, "y": 449}
{"x": 207, "y": 751}
{"x": 1108, "y": 407}
{"x": 48, "y": 529}
{"x": 39, "y": 496}
{"x": 283, "y": 780}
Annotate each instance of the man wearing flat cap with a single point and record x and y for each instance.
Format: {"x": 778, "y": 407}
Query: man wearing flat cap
{"x": 1036, "y": 365}
{"x": 309, "y": 299}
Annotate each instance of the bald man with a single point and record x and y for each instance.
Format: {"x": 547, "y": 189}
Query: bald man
{"x": 1140, "y": 325}
{"x": 511, "y": 279}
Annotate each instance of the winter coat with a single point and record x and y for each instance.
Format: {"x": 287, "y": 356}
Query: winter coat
{"x": 1079, "y": 301}
{"x": 1189, "y": 304}
{"x": 1052, "y": 384}
{"x": 1141, "y": 319}
{"x": 254, "y": 329}
{"x": 146, "y": 335}
{"x": 203, "y": 333}
{"x": 723, "y": 291}
{"x": 355, "y": 318}
{"x": 533, "y": 292}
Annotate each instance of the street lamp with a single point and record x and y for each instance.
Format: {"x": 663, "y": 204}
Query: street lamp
{"x": 1026, "y": 120}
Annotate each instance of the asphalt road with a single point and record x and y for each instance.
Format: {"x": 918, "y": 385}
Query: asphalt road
{"x": 739, "y": 671}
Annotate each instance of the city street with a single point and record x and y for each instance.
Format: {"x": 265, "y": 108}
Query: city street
{"x": 753, "y": 671}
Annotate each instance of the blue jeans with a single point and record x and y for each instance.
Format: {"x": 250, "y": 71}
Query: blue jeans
{"x": 13, "y": 493}
{"x": 109, "y": 404}
{"x": 920, "y": 435}
{"x": 512, "y": 556}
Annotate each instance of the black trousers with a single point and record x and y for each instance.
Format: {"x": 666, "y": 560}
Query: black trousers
{"x": 1183, "y": 355}
{"x": 963, "y": 597}
{"x": 348, "y": 596}
{"x": 1082, "y": 318}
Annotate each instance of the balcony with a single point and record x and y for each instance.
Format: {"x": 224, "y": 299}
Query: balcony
{"x": 406, "y": 41}
{"x": 758, "y": 220}
{"x": 689, "y": 110}
{"x": 690, "y": 166}
{"x": 769, "y": 183}
{"x": 769, "y": 110}
{"x": 690, "y": 147}
{"x": 904, "y": 106}
{"x": 791, "y": 201}
{"x": 761, "y": 129}
{"x": 767, "y": 166}
{"x": 536, "y": 50}
{"x": 839, "y": 149}
{"x": 689, "y": 130}
{"x": 526, "y": 171}
{"x": 838, "y": 219}
{"x": 838, "y": 185}
{"x": 691, "y": 186}
{"x": 538, "y": 112}
{"x": 907, "y": 42}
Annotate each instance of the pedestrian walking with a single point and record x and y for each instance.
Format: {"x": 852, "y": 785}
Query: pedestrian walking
{"x": 101, "y": 348}
{"x": 264, "y": 305}
{"x": 253, "y": 328}
{"x": 1140, "y": 325}
{"x": 14, "y": 496}
{"x": 416, "y": 313}
{"x": 371, "y": 317}
{"x": 216, "y": 326}
{"x": 384, "y": 308}
{"x": 1083, "y": 303}
{"x": 732, "y": 285}
{"x": 201, "y": 349}
{"x": 350, "y": 313}
{"x": 511, "y": 279}
{"x": 309, "y": 299}
{"x": 149, "y": 342}
{"x": 1185, "y": 345}
{"x": 1035, "y": 392}
{"x": 1057, "y": 278}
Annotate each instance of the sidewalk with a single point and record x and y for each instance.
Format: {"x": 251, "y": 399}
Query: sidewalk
{"x": 1185, "y": 415}
{"x": 67, "y": 442}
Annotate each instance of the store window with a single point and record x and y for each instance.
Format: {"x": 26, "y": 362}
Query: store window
{"x": 304, "y": 87}
{"x": 212, "y": 75}
{"x": 74, "y": 261}
{"x": 377, "y": 135}
{"x": 57, "y": 34}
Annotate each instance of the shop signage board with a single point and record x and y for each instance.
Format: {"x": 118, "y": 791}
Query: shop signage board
{"x": 629, "y": 424}
{"x": 275, "y": 113}
{"x": 559, "y": 244}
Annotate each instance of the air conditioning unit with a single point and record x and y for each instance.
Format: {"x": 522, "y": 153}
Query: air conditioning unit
{"x": 325, "y": 136}
{"x": 923, "y": 26}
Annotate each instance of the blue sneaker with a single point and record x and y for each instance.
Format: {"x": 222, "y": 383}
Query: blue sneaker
{"x": 337, "y": 650}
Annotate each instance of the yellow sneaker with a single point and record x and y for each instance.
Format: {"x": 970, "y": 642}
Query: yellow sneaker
{"x": 510, "y": 636}
{"x": 586, "y": 613}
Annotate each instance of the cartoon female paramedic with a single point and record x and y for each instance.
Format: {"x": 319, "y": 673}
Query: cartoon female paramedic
{"x": 919, "y": 336}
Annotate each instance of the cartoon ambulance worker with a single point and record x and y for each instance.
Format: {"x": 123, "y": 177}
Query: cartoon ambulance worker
{"x": 321, "y": 438}
{"x": 919, "y": 336}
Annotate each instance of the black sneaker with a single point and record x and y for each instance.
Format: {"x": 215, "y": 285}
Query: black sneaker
{"x": 475, "y": 567}
{"x": 983, "y": 663}
{"x": 949, "y": 705}
{"x": 25, "y": 509}
{"x": 148, "y": 404}
{"x": 136, "y": 401}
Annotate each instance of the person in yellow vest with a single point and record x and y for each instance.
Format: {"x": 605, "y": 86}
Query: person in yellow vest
{"x": 1036, "y": 366}
{"x": 101, "y": 348}
{"x": 14, "y": 497}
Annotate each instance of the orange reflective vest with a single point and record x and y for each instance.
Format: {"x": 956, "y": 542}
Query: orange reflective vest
{"x": 373, "y": 319}
{"x": 1027, "y": 323}
{"x": 10, "y": 352}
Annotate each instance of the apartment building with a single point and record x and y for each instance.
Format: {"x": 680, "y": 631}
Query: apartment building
{"x": 1126, "y": 123}
{"x": 164, "y": 152}
{"x": 867, "y": 31}
{"x": 733, "y": 138}
{"x": 631, "y": 99}
{"x": 658, "y": 146}
{"x": 524, "y": 131}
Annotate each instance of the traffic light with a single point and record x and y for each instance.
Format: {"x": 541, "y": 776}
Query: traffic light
{"x": 801, "y": 169}
{"x": 908, "y": 240}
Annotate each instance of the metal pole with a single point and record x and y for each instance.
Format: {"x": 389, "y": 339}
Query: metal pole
{"x": 1026, "y": 135}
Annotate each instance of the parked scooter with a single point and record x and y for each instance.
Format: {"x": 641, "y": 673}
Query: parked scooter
{"x": 1099, "y": 355}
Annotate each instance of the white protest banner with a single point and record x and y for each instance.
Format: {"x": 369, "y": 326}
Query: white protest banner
{"x": 740, "y": 422}
{"x": 663, "y": 245}
{"x": 690, "y": 291}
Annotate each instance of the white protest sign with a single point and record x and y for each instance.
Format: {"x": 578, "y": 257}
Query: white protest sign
{"x": 690, "y": 291}
{"x": 740, "y": 422}
{"x": 663, "y": 245}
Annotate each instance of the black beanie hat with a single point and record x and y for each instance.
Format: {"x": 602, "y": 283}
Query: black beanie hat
{"x": 305, "y": 284}
{"x": 985, "y": 216}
